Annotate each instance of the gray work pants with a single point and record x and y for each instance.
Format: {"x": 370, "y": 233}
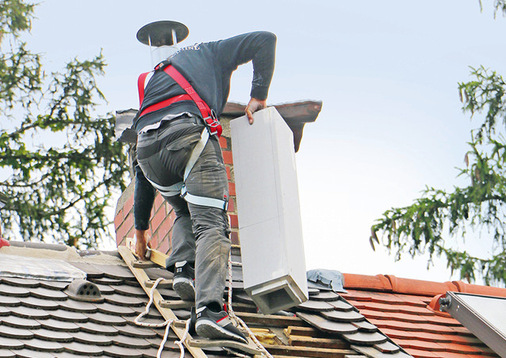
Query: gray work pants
{"x": 200, "y": 234}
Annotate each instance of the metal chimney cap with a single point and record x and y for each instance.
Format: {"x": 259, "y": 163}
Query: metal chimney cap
{"x": 160, "y": 33}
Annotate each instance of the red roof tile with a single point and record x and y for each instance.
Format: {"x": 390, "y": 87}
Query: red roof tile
{"x": 407, "y": 311}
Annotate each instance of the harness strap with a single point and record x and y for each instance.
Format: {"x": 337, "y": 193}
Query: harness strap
{"x": 207, "y": 113}
{"x": 197, "y": 151}
{"x": 165, "y": 103}
{"x": 180, "y": 187}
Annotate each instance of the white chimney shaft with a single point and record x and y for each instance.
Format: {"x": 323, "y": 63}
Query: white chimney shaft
{"x": 268, "y": 207}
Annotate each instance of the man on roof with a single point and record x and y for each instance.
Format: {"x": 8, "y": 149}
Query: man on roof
{"x": 179, "y": 154}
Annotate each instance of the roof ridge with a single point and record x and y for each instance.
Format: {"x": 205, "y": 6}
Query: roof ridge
{"x": 394, "y": 284}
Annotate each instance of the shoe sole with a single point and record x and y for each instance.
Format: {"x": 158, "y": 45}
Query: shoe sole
{"x": 209, "y": 329}
{"x": 184, "y": 289}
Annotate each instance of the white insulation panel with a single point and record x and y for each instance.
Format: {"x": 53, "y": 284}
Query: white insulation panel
{"x": 270, "y": 229}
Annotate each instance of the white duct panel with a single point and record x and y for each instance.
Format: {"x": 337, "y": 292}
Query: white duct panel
{"x": 268, "y": 208}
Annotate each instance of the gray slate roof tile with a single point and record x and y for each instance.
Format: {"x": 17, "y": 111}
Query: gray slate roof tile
{"x": 129, "y": 301}
{"x": 27, "y": 312}
{"x": 34, "y": 302}
{"x": 12, "y": 332}
{"x": 83, "y": 349}
{"x": 77, "y": 306}
{"x": 316, "y": 306}
{"x": 365, "y": 326}
{"x": 69, "y": 316}
{"x": 343, "y": 316}
{"x": 325, "y": 325}
{"x": 48, "y": 294}
{"x": 11, "y": 343}
{"x": 122, "y": 352}
{"x": 365, "y": 338}
{"x": 57, "y": 325}
{"x": 40, "y": 345}
{"x": 95, "y": 328}
{"x": 19, "y": 322}
{"x": 106, "y": 319}
{"x": 29, "y": 353}
{"x": 48, "y": 335}
{"x": 9, "y": 301}
{"x": 15, "y": 291}
{"x": 7, "y": 353}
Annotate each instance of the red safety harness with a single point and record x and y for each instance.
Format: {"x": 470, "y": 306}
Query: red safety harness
{"x": 211, "y": 122}
{"x": 210, "y": 119}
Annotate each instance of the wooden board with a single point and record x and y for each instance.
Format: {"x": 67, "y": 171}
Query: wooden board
{"x": 142, "y": 277}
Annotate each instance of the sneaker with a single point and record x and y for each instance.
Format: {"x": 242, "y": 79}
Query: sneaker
{"x": 217, "y": 325}
{"x": 183, "y": 281}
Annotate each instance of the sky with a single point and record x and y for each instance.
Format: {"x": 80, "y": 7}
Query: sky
{"x": 387, "y": 73}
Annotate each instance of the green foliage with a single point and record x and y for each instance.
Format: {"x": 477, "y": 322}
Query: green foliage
{"x": 499, "y": 6}
{"x": 59, "y": 159}
{"x": 420, "y": 228}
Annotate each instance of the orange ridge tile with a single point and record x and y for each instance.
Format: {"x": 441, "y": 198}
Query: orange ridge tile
{"x": 480, "y": 290}
{"x": 419, "y": 287}
{"x": 378, "y": 282}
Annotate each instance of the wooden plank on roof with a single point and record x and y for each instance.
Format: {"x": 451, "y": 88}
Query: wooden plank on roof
{"x": 270, "y": 320}
{"x": 302, "y": 341}
{"x": 308, "y": 352}
{"x": 301, "y": 331}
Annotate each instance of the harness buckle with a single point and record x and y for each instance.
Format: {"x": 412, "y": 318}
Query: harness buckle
{"x": 213, "y": 124}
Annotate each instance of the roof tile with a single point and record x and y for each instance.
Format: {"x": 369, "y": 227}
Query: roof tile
{"x": 343, "y": 316}
{"x": 480, "y": 290}
{"x": 12, "y": 332}
{"x": 19, "y": 322}
{"x": 83, "y": 349}
{"x": 28, "y": 353}
{"x": 378, "y": 282}
{"x": 368, "y": 339}
{"x": 57, "y": 325}
{"x": 4, "y": 353}
{"x": 327, "y": 326}
{"x": 419, "y": 287}
{"x": 35, "y": 302}
{"x": 48, "y": 335}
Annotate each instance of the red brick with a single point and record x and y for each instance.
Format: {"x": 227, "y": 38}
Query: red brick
{"x": 229, "y": 176}
{"x": 118, "y": 219}
{"x": 231, "y": 189}
{"x": 125, "y": 227}
{"x": 234, "y": 222}
{"x": 231, "y": 204}
{"x": 121, "y": 242}
{"x": 234, "y": 236}
{"x": 157, "y": 219}
{"x": 223, "y": 142}
{"x": 129, "y": 204}
{"x": 227, "y": 157}
{"x": 154, "y": 240}
{"x": 163, "y": 246}
{"x": 158, "y": 201}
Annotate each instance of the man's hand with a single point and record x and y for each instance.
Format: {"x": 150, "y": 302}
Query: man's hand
{"x": 141, "y": 243}
{"x": 253, "y": 106}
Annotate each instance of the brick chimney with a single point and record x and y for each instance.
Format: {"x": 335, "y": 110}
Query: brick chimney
{"x": 162, "y": 216}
